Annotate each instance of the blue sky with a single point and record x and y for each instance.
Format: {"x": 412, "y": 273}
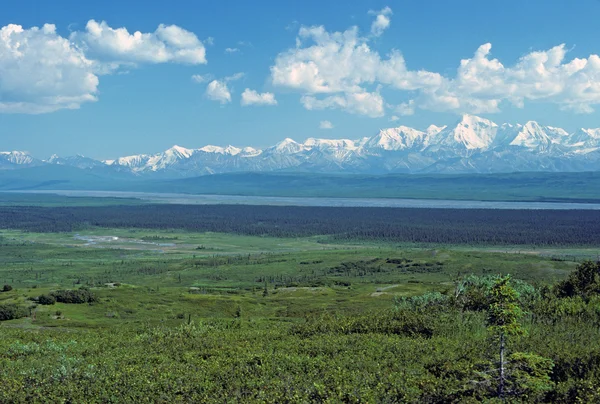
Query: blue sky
{"x": 77, "y": 89}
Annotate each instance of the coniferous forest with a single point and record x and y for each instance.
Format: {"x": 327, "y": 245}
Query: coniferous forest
{"x": 445, "y": 226}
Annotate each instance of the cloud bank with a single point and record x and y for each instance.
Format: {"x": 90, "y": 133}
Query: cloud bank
{"x": 42, "y": 71}
{"x": 342, "y": 70}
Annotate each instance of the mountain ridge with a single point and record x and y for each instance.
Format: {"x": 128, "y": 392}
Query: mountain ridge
{"x": 471, "y": 145}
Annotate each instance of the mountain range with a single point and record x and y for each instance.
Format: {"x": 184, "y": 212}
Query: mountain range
{"x": 471, "y": 145}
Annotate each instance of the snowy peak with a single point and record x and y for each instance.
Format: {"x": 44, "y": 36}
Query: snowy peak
{"x": 532, "y": 136}
{"x": 472, "y": 144}
{"x": 470, "y": 133}
{"x": 250, "y": 152}
{"x": 324, "y": 144}
{"x": 179, "y": 152}
{"x": 400, "y": 138}
{"x": 132, "y": 162}
{"x": 433, "y": 130}
{"x": 585, "y": 140}
{"x": 288, "y": 146}
{"x": 585, "y": 137}
{"x": 78, "y": 161}
{"x": 17, "y": 158}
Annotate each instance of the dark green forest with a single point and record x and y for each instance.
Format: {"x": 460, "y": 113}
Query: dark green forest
{"x": 445, "y": 226}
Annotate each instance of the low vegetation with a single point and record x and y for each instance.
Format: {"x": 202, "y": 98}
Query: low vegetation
{"x": 132, "y": 315}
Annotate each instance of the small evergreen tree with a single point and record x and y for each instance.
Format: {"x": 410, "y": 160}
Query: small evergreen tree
{"x": 503, "y": 321}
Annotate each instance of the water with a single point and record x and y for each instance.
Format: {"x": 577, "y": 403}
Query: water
{"x": 315, "y": 201}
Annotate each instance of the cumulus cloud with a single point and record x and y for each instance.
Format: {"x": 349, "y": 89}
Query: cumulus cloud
{"x": 252, "y": 97}
{"x": 231, "y": 50}
{"x": 382, "y": 21}
{"x": 394, "y": 118}
{"x": 168, "y": 43}
{"x": 40, "y": 71}
{"x": 362, "y": 103}
{"x": 342, "y": 66}
{"x": 218, "y": 91}
{"x": 325, "y": 125}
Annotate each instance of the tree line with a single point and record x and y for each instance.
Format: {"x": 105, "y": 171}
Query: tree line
{"x": 449, "y": 226}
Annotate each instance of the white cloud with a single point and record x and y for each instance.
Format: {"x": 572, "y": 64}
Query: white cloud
{"x": 482, "y": 84}
{"x": 325, "y": 125}
{"x": 218, "y": 91}
{"x": 231, "y": 50}
{"x": 406, "y": 108}
{"x": 362, "y": 103}
{"x": 343, "y": 66}
{"x": 202, "y": 78}
{"x": 235, "y": 77}
{"x": 169, "y": 43}
{"x": 252, "y": 97}
{"x": 382, "y": 21}
{"x": 41, "y": 72}
{"x": 394, "y": 118}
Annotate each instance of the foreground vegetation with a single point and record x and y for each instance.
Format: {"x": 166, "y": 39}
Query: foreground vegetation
{"x": 104, "y": 314}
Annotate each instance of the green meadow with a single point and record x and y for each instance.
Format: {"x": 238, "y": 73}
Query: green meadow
{"x": 180, "y": 316}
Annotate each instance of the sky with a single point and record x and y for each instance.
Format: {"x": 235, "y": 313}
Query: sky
{"x": 112, "y": 78}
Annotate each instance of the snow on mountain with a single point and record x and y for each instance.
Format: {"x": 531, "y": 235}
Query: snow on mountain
{"x": 532, "y": 136}
{"x": 433, "y": 130}
{"x": 469, "y": 134}
{"x": 400, "y": 138}
{"x": 132, "y": 162}
{"x": 17, "y": 158}
{"x": 250, "y": 152}
{"x": 78, "y": 161}
{"x": 472, "y": 144}
{"x": 287, "y": 146}
{"x": 585, "y": 141}
{"x": 324, "y": 144}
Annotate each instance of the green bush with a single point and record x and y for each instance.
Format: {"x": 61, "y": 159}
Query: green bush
{"x": 46, "y": 300}
{"x": 78, "y": 296}
{"x": 12, "y": 311}
{"x": 7, "y": 288}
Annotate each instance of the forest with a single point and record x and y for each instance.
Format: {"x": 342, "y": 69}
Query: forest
{"x": 413, "y": 225}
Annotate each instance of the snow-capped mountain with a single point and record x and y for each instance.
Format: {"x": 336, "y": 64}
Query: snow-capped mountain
{"x": 469, "y": 135}
{"x": 78, "y": 161}
{"x": 472, "y": 144}
{"x": 17, "y": 159}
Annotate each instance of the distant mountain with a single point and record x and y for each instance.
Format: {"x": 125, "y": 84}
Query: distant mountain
{"x": 17, "y": 159}
{"x": 471, "y": 145}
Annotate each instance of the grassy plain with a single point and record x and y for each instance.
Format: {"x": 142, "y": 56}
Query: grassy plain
{"x": 167, "y": 276}
{"x": 214, "y": 317}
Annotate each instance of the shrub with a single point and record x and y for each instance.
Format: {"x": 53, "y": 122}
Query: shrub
{"x": 46, "y": 300}
{"x": 12, "y": 311}
{"x": 7, "y": 288}
{"x": 79, "y": 296}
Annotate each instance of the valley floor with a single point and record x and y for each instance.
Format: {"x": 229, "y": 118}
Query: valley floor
{"x": 186, "y": 316}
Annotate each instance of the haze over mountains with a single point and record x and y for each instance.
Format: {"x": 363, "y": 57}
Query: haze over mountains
{"x": 472, "y": 145}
